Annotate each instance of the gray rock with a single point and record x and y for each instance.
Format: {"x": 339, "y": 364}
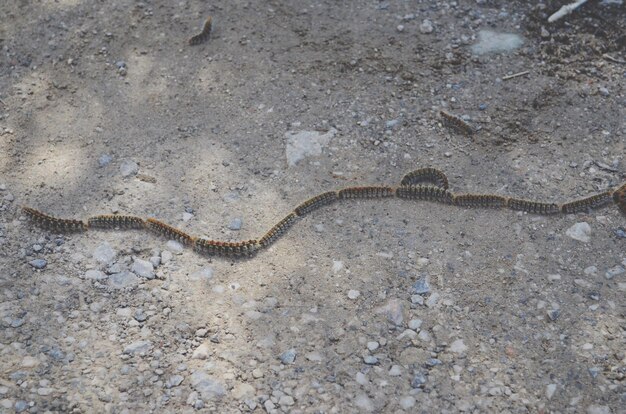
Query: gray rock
{"x": 421, "y": 287}
{"x": 553, "y": 314}
{"x": 493, "y": 42}
{"x": 204, "y": 274}
{"x": 38, "y": 263}
{"x": 370, "y": 360}
{"x": 288, "y": 357}
{"x": 392, "y": 123}
{"x": 123, "y": 280}
{"x": 580, "y": 231}
{"x": 364, "y": 403}
{"x": 603, "y": 91}
{"x": 104, "y": 253}
{"x": 104, "y": 160}
{"x": 393, "y": 311}
{"x": 174, "y": 381}
{"x": 302, "y": 144}
{"x": 174, "y": 247}
{"x": 458, "y": 347}
{"x": 426, "y": 26}
{"x": 614, "y": 271}
{"x": 95, "y": 275}
{"x": 138, "y": 347}
{"x": 140, "y": 315}
{"x": 20, "y": 406}
{"x": 166, "y": 256}
{"x": 155, "y": 260}
{"x": 208, "y": 387}
{"x": 128, "y": 168}
{"x": 418, "y": 380}
{"x": 187, "y": 216}
{"x": 202, "y": 352}
{"x": 235, "y": 224}
{"x": 143, "y": 268}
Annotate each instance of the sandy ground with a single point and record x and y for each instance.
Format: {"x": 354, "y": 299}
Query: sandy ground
{"x": 368, "y": 306}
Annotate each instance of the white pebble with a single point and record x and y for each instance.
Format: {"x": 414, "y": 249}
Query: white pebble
{"x": 353, "y": 294}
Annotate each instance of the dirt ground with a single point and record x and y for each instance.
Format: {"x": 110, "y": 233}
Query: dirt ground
{"x": 367, "y": 306}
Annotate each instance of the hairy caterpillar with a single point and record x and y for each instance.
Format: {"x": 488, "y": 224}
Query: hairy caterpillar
{"x": 425, "y": 192}
{"x": 619, "y": 197}
{"x": 532, "y": 207}
{"x": 426, "y": 175}
{"x": 316, "y": 202}
{"x": 366, "y": 192}
{"x": 587, "y": 204}
{"x": 53, "y": 223}
{"x": 280, "y": 228}
{"x": 169, "y": 231}
{"x": 480, "y": 200}
{"x": 112, "y": 221}
{"x": 229, "y": 249}
{"x": 454, "y": 122}
{"x": 202, "y": 36}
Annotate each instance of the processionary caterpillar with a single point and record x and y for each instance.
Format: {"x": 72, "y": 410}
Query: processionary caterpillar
{"x": 425, "y": 192}
{"x": 229, "y": 249}
{"x": 112, "y": 221}
{"x": 168, "y": 231}
{"x": 619, "y": 197}
{"x": 533, "y": 207}
{"x": 480, "y": 200}
{"x": 588, "y": 203}
{"x": 367, "y": 192}
{"x": 202, "y": 36}
{"x": 426, "y": 175}
{"x": 316, "y": 202}
{"x": 53, "y": 223}
{"x": 279, "y": 229}
{"x": 456, "y": 123}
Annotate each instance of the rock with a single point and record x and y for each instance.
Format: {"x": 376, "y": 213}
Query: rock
{"x": 363, "y": 402}
{"x": 29, "y": 362}
{"x": 235, "y": 224}
{"x": 337, "y": 266}
{"x": 302, "y": 144}
{"x": 553, "y": 314}
{"x": 614, "y": 271}
{"x": 286, "y": 401}
{"x": 493, "y": 42}
{"x": 204, "y": 274}
{"x": 38, "y": 263}
{"x": 187, "y": 216}
{"x": 400, "y": 28}
{"x": 373, "y": 345}
{"x": 20, "y": 406}
{"x": 353, "y": 294}
{"x": 104, "y": 253}
{"x": 418, "y": 380}
{"x": 603, "y": 91}
{"x": 155, "y": 260}
{"x": 395, "y": 371}
{"x": 288, "y": 357}
{"x": 361, "y": 378}
{"x": 140, "y": 315}
{"x": 95, "y": 275}
{"x": 426, "y": 26}
{"x": 174, "y": 381}
{"x": 166, "y": 256}
{"x": 143, "y": 268}
{"x": 243, "y": 391}
{"x": 598, "y": 409}
{"x": 202, "y": 352}
{"x": 407, "y": 402}
{"x": 415, "y": 324}
{"x": 591, "y": 270}
{"x": 138, "y": 347}
{"x": 314, "y": 356}
{"x": 458, "y": 347}
{"x": 393, "y": 311}
{"x": 580, "y": 231}
{"x": 392, "y": 123}
{"x": 208, "y": 387}
{"x": 432, "y": 300}
{"x": 174, "y": 247}
{"x": 128, "y": 168}
{"x": 550, "y": 389}
{"x": 123, "y": 280}
{"x": 370, "y": 360}
{"x": 420, "y": 287}
{"x": 104, "y": 160}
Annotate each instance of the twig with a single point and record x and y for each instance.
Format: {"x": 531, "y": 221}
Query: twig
{"x": 565, "y": 10}
{"x": 515, "y": 75}
{"x": 612, "y": 59}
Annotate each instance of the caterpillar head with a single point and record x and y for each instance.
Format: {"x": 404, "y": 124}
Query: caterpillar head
{"x": 619, "y": 197}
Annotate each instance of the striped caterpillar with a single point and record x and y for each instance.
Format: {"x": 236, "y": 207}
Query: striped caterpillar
{"x": 588, "y": 203}
{"x": 425, "y": 192}
{"x": 112, "y": 221}
{"x": 53, "y": 223}
{"x": 366, "y": 192}
{"x": 456, "y": 123}
{"x": 278, "y": 230}
{"x": 619, "y": 198}
{"x": 316, "y": 202}
{"x": 168, "y": 231}
{"x": 480, "y": 200}
{"x": 533, "y": 207}
{"x": 203, "y": 36}
{"x": 228, "y": 249}
{"x": 426, "y": 175}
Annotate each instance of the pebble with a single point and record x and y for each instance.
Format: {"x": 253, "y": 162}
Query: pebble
{"x": 603, "y": 91}
{"x": 104, "y": 160}
{"x": 418, "y": 380}
{"x": 204, "y": 274}
{"x": 432, "y": 299}
{"x": 395, "y": 371}
{"x": 140, "y": 315}
{"x": 614, "y": 271}
{"x": 155, "y": 260}
{"x": 314, "y": 356}
{"x": 286, "y": 401}
{"x": 407, "y": 402}
{"x": 235, "y": 224}
{"x": 370, "y": 360}
{"x": 20, "y": 406}
{"x": 393, "y": 311}
{"x": 591, "y": 270}
{"x": 353, "y": 294}
{"x": 598, "y": 409}
{"x": 207, "y": 386}
{"x": 415, "y": 324}
{"x": 363, "y": 402}
{"x": 166, "y": 256}
{"x": 104, "y": 253}
{"x": 95, "y": 275}
{"x": 417, "y": 299}
{"x": 123, "y": 280}
{"x": 37, "y": 247}
{"x": 458, "y": 347}
{"x": 400, "y": 28}
{"x": 580, "y": 231}
{"x": 553, "y": 314}
{"x": 337, "y": 266}
{"x": 202, "y": 352}
{"x": 620, "y": 232}
{"x": 187, "y": 216}
{"x": 420, "y": 287}
{"x": 426, "y": 26}
{"x": 38, "y": 263}
{"x": 288, "y": 357}
{"x": 303, "y": 144}
{"x": 392, "y": 123}
{"x": 143, "y": 268}
{"x": 128, "y": 168}
{"x": 138, "y": 347}
{"x": 174, "y": 247}
{"x": 243, "y": 391}
{"x": 494, "y": 42}
{"x": 174, "y": 381}
{"x": 550, "y": 390}
{"x": 373, "y": 345}
{"x": 361, "y": 378}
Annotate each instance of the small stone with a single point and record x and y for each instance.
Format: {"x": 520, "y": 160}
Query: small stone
{"x": 166, "y": 256}
{"x": 95, "y": 275}
{"x": 143, "y": 268}
{"x": 37, "y": 247}
{"x": 580, "y": 231}
{"x": 393, "y": 311}
{"x": 187, "y": 216}
{"x": 138, "y": 347}
{"x": 361, "y": 378}
{"x": 363, "y": 402}
{"x": 29, "y": 362}
{"x": 554, "y": 278}
{"x": 207, "y": 386}
{"x": 204, "y": 274}
{"x": 353, "y": 294}
{"x": 140, "y": 315}
{"x": 286, "y": 401}
{"x": 202, "y": 352}
{"x": 418, "y": 380}
{"x": 420, "y": 287}
{"x": 174, "y": 381}
{"x": 417, "y": 299}
{"x": 314, "y": 356}
{"x": 243, "y": 391}
{"x": 553, "y": 314}
{"x": 614, "y": 271}
{"x": 235, "y": 224}
{"x": 337, "y": 266}
{"x": 458, "y": 347}
{"x": 426, "y": 26}
{"x": 400, "y": 28}
{"x": 482, "y": 106}
{"x": 544, "y": 32}
{"x": 257, "y": 373}
{"x": 20, "y": 406}
{"x": 395, "y": 371}
{"x": 598, "y": 409}
{"x": 423, "y": 336}
{"x": 155, "y": 260}
{"x": 415, "y": 324}
{"x": 104, "y": 160}
{"x": 370, "y": 360}
{"x": 373, "y": 345}
{"x": 123, "y": 280}
{"x": 128, "y": 168}
{"x": 550, "y": 389}
{"x": 603, "y": 91}
{"x": 38, "y": 263}
{"x": 104, "y": 253}
{"x": 407, "y": 402}
{"x": 174, "y": 247}
{"x": 432, "y": 299}
{"x": 288, "y": 357}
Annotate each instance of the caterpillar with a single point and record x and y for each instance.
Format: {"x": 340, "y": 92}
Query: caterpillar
{"x": 229, "y": 249}
{"x": 426, "y": 175}
{"x": 425, "y": 192}
{"x": 53, "y": 223}
{"x": 532, "y": 207}
{"x": 316, "y": 202}
{"x": 112, "y": 221}
{"x": 456, "y": 123}
{"x": 279, "y": 229}
{"x": 203, "y": 36}
{"x": 619, "y": 197}
{"x": 366, "y": 192}
{"x": 480, "y": 200}
{"x": 168, "y": 231}
{"x": 588, "y": 203}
